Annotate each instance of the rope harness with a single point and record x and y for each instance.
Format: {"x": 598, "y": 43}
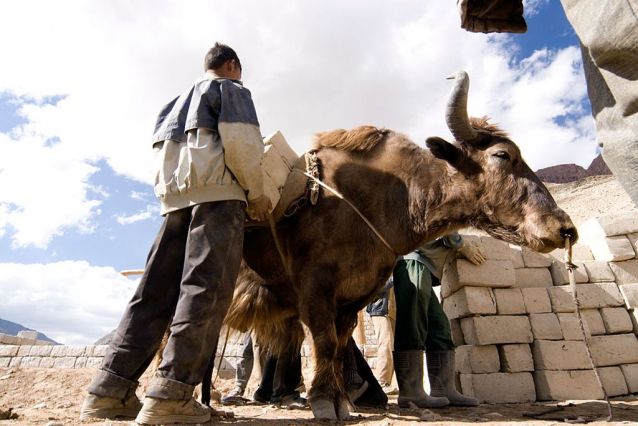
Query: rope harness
{"x": 572, "y": 282}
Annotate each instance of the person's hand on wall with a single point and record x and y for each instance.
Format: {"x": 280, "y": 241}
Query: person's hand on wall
{"x": 472, "y": 253}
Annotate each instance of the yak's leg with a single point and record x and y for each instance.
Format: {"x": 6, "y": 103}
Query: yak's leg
{"x": 327, "y": 396}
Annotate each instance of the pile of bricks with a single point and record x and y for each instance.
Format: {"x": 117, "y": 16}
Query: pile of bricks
{"x": 22, "y": 339}
{"x": 514, "y": 323}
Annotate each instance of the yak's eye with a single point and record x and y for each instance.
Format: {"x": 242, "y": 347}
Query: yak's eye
{"x": 502, "y": 155}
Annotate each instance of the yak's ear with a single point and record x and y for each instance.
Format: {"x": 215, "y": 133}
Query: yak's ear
{"x": 444, "y": 150}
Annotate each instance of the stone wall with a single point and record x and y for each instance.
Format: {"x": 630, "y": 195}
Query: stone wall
{"x": 513, "y": 318}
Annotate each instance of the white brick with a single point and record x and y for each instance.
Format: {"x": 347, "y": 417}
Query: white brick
{"x": 565, "y": 385}
{"x": 560, "y": 275}
{"x": 598, "y": 271}
{"x": 494, "y": 249}
{"x": 499, "y": 388}
{"x": 457, "y": 333}
{"x": 625, "y": 272}
{"x": 94, "y": 361}
{"x": 24, "y": 350}
{"x": 27, "y": 334}
{"x": 496, "y": 329}
{"x": 516, "y": 257}
{"x": 2, "y": 337}
{"x": 509, "y": 301}
{"x": 594, "y": 295}
{"x": 80, "y": 362}
{"x": 515, "y": 358}
{"x": 613, "y": 381}
{"x": 492, "y": 273}
{"x": 633, "y": 239}
{"x": 630, "y": 371}
{"x": 533, "y": 277}
{"x": 612, "y": 249}
{"x": 27, "y": 342}
{"x": 100, "y": 350}
{"x": 4, "y": 361}
{"x": 536, "y": 300}
{"x": 616, "y": 320}
{"x": 610, "y": 225}
{"x": 594, "y": 321}
{"x": 75, "y": 351}
{"x": 59, "y": 351}
{"x": 47, "y": 362}
{"x": 477, "y": 359}
{"x": 469, "y": 301}
{"x": 545, "y": 326}
{"x": 9, "y": 350}
{"x": 64, "y": 362}
{"x": 560, "y": 355}
{"x": 15, "y": 362}
{"x": 614, "y": 349}
{"x": 532, "y": 259}
{"x": 31, "y": 362}
{"x": 570, "y": 327}
{"x": 630, "y": 294}
{"x": 579, "y": 252}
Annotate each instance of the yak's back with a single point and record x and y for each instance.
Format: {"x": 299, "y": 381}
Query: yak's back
{"x": 361, "y": 139}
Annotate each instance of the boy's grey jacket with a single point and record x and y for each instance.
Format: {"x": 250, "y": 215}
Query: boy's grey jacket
{"x": 208, "y": 146}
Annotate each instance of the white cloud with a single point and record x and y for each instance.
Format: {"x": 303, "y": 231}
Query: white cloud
{"x": 71, "y": 302}
{"x": 44, "y": 190}
{"x": 151, "y": 212}
{"x": 310, "y": 66}
{"x": 140, "y": 196}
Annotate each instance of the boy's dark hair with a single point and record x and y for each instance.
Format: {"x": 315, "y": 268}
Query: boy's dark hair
{"x": 218, "y": 55}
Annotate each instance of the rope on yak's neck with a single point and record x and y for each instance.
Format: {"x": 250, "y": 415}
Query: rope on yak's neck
{"x": 572, "y": 282}
{"x": 340, "y": 196}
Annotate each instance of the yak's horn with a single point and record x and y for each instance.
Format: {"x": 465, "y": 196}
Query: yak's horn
{"x": 456, "y": 112}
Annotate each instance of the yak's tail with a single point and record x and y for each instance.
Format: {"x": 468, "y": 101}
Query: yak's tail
{"x": 256, "y": 308}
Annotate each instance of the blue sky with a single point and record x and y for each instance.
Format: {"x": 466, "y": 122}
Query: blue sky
{"x": 81, "y": 89}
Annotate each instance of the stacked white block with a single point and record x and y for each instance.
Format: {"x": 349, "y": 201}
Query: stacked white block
{"x": 530, "y": 320}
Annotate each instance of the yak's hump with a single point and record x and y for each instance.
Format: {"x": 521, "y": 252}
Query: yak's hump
{"x": 362, "y": 138}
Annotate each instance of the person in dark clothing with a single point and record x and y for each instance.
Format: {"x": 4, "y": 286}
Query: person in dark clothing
{"x": 423, "y": 326}
{"x": 208, "y": 148}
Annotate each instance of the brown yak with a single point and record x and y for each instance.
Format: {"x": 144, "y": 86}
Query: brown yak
{"x": 332, "y": 263}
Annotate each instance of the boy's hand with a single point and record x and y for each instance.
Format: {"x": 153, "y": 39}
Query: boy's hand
{"x": 471, "y": 253}
{"x": 259, "y": 208}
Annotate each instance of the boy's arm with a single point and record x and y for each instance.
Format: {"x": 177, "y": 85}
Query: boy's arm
{"x": 243, "y": 145}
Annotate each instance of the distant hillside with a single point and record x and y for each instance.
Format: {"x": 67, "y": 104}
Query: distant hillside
{"x": 565, "y": 173}
{"x": 12, "y": 328}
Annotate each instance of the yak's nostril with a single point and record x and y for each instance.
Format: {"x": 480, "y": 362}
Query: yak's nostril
{"x": 570, "y": 232}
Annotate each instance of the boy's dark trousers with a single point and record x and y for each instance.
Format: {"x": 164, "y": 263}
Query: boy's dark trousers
{"x": 188, "y": 284}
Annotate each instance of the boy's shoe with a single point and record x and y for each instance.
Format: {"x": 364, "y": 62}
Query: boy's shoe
{"x": 104, "y": 407}
{"x": 168, "y": 411}
{"x": 389, "y": 389}
{"x": 235, "y": 397}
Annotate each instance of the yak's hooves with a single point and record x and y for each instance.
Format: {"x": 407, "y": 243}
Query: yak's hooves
{"x": 344, "y": 411}
{"x": 323, "y": 409}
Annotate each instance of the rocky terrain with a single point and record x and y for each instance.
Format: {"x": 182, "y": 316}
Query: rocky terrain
{"x": 564, "y": 173}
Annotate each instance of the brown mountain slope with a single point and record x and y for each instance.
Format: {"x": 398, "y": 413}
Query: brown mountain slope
{"x": 591, "y": 197}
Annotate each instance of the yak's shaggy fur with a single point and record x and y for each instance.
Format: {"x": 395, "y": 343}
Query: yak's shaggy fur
{"x": 333, "y": 264}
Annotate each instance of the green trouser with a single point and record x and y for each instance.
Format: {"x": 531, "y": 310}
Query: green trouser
{"x": 421, "y": 323}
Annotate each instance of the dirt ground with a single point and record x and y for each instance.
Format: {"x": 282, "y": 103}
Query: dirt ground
{"x": 53, "y": 397}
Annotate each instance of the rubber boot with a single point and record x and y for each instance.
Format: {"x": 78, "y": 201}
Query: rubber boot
{"x": 408, "y": 366}
{"x": 441, "y": 367}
